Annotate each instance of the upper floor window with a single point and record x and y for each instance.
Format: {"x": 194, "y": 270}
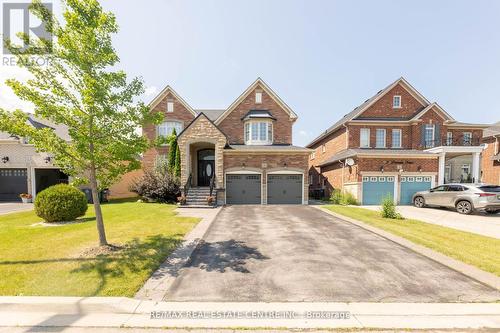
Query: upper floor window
{"x": 429, "y": 135}
{"x": 364, "y": 138}
{"x": 258, "y": 97}
{"x": 449, "y": 138}
{"x": 467, "y": 138}
{"x": 323, "y": 148}
{"x": 259, "y": 133}
{"x": 396, "y": 101}
{"x": 313, "y": 155}
{"x": 170, "y": 105}
{"x": 380, "y": 138}
{"x": 396, "y": 138}
{"x": 167, "y": 127}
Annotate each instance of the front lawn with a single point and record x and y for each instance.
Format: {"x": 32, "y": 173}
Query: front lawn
{"x": 38, "y": 260}
{"x": 480, "y": 251}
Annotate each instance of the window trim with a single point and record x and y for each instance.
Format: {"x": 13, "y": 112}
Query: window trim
{"x": 258, "y": 97}
{"x": 433, "y": 140}
{"x": 449, "y": 138}
{"x": 470, "y": 138}
{"x": 383, "y": 130}
{"x": 170, "y": 102}
{"x": 181, "y": 125}
{"x": 400, "y": 137}
{"x": 394, "y": 99}
{"x": 365, "y": 130}
{"x": 269, "y": 132}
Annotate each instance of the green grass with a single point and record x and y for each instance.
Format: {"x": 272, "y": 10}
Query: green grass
{"x": 37, "y": 260}
{"x": 480, "y": 251}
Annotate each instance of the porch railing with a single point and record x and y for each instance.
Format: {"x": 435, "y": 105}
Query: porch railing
{"x": 452, "y": 142}
{"x": 212, "y": 184}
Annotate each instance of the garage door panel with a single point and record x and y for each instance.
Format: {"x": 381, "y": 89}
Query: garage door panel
{"x": 377, "y": 188}
{"x": 411, "y": 185}
{"x": 284, "y": 189}
{"x": 12, "y": 183}
{"x": 243, "y": 189}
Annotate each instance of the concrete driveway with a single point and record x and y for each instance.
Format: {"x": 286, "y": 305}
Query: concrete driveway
{"x": 479, "y": 223}
{"x": 298, "y": 253}
{"x": 11, "y": 207}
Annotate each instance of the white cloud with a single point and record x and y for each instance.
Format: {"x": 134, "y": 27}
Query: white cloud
{"x": 303, "y": 133}
{"x": 9, "y": 100}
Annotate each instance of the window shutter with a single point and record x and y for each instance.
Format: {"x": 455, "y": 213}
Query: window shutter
{"x": 437, "y": 135}
{"x": 422, "y": 135}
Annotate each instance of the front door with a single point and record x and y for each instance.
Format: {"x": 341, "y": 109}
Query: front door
{"x": 206, "y": 166}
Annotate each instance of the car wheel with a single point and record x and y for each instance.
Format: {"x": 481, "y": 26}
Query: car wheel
{"x": 464, "y": 207}
{"x": 493, "y": 211}
{"x": 419, "y": 202}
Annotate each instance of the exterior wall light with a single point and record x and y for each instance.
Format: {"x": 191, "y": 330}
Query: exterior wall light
{"x": 382, "y": 169}
{"x": 419, "y": 168}
{"x": 47, "y": 159}
{"x": 5, "y": 159}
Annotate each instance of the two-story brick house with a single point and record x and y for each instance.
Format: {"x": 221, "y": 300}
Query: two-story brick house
{"x": 244, "y": 152}
{"x": 394, "y": 144}
{"x": 491, "y": 155}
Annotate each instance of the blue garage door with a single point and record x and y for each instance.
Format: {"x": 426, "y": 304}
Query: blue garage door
{"x": 376, "y": 188}
{"x": 412, "y": 184}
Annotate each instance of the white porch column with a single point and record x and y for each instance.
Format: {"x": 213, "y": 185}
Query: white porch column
{"x": 476, "y": 175}
{"x": 441, "y": 169}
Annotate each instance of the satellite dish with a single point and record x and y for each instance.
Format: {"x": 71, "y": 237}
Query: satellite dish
{"x": 349, "y": 162}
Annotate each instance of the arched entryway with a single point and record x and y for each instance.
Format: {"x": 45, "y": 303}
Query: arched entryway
{"x": 205, "y": 166}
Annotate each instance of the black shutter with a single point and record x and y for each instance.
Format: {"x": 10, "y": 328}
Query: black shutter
{"x": 437, "y": 135}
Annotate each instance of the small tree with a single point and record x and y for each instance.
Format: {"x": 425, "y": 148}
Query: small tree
{"x": 177, "y": 169}
{"x": 172, "y": 151}
{"x": 79, "y": 88}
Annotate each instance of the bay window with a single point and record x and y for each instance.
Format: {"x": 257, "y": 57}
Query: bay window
{"x": 258, "y": 133}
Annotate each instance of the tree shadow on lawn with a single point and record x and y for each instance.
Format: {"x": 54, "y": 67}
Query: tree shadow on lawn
{"x": 219, "y": 256}
{"x": 135, "y": 256}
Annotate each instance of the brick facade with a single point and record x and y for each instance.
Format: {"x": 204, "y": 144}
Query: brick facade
{"x": 180, "y": 113}
{"x": 233, "y": 126}
{"x": 491, "y": 167}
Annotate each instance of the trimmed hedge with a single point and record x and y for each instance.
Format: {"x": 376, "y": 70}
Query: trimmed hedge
{"x": 60, "y": 203}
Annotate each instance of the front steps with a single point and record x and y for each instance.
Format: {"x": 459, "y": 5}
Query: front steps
{"x": 197, "y": 197}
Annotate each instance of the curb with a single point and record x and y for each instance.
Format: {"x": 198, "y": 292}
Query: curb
{"x": 162, "y": 279}
{"x": 470, "y": 271}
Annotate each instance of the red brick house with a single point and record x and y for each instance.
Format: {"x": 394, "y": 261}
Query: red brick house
{"x": 243, "y": 154}
{"x": 491, "y": 155}
{"x": 394, "y": 144}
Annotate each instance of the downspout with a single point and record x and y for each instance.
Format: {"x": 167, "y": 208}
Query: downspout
{"x": 342, "y": 181}
{"x": 347, "y": 136}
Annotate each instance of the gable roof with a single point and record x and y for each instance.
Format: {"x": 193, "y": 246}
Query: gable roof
{"x": 168, "y": 89}
{"x": 445, "y": 115}
{"x": 212, "y": 114}
{"x": 357, "y": 111}
{"x": 257, "y": 83}
{"x": 201, "y": 114}
{"x": 39, "y": 123}
{"x": 492, "y": 131}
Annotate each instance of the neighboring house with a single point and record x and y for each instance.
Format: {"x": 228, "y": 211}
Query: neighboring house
{"x": 491, "y": 155}
{"x": 244, "y": 152}
{"x": 394, "y": 144}
{"x": 22, "y": 169}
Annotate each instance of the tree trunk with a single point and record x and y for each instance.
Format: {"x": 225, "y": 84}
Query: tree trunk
{"x": 97, "y": 208}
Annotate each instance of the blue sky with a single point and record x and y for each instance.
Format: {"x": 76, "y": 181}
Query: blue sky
{"x": 322, "y": 57}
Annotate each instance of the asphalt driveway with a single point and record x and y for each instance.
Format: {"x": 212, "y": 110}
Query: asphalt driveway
{"x": 298, "y": 253}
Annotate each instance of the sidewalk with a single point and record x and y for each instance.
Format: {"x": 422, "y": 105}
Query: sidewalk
{"x": 126, "y": 312}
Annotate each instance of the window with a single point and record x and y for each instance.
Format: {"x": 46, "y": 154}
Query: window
{"x": 258, "y": 97}
{"x": 258, "y": 133}
{"x": 313, "y": 155}
{"x": 170, "y": 105}
{"x": 467, "y": 138}
{"x": 364, "y": 138}
{"x": 396, "y": 138}
{"x": 166, "y": 128}
{"x": 449, "y": 138}
{"x": 429, "y": 135}
{"x": 323, "y": 148}
{"x": 465, "y": 171}
{"x": 396, "y": 102}
{"x": 441, "y": 188}
{"x": 380, "y": 138}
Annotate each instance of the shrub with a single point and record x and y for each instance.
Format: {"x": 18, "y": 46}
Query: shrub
{"x": 60, "y": 203}
{"x": 339, "y": 198}
{"x": 389, "y": 209}
{"x": 157, "y": 186}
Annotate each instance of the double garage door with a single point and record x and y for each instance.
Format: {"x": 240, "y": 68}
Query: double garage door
{"x": 247, "y": 189}
{"x": 12, "y": 183}
{"x": 376, "y": 188}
